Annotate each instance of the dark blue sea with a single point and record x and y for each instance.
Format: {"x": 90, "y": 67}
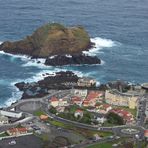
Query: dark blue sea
{"x": 118, "y": 27}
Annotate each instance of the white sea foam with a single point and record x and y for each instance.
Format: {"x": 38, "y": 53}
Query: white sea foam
{"x": 51, "y": 57}
{"x": 68, "y": 56}
{"x": 100, "y": 43}
{"x": 35, "y": 63}
{"x": 23, "y": 57}
{"x": 102, "y": 62}
{"x": 16, "y": 95}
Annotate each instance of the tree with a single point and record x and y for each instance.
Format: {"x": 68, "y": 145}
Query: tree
{"x": 53, "y": 110}
{"x": 114, "y": 118}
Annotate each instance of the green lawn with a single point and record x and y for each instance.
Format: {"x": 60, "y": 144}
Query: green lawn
{"x": 39, "y": 113}
{"x": 101, "y": 145}
{"x": 4, "y": 134}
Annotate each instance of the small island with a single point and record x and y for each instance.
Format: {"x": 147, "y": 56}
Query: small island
{"x": 54, "y": 42}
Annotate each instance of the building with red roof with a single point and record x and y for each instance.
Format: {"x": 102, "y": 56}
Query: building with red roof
{"x": 17, "y": 131}
{"x": 92, "y": 98}
{"x": 54, "y": 101}
{"x": 78, "y": 113}
{"x": 104, "y": 108}
{"x": 77, "y": 100}
{"x": 58, "y": 102}
{"x": 127, "y": 116}
{"x": 146, "y": 134}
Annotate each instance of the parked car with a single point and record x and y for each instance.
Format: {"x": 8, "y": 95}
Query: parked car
{"x": 13, "y": 142}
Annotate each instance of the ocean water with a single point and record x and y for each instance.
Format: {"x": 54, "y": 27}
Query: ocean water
{"x": 119, "y": 29}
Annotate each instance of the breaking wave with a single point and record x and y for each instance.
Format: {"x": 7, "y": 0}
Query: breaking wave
{"x": 100, "y": 43}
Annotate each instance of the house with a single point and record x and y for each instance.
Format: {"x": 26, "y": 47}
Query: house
{"x": 117, "y": 98}
{"x": 76, "y": 100}
{"x": 92, "y": 98}
{"x": 86, "y": 82}
{"x": 127, "y": 116}
{"x": 78, "y": 113}
{"x": 11, "y": 114}
{"x": 146, "y": 134}
{"x": 54, "y": 101}
{"x": 43, "y": 117}
{"x": 86, "y": 103}
{"x": 96, "y": 95}
{"x": 104, "y": 108}
{"x": 3, "y": 120}
{"x": 63, "y": 102}
{"x": 60, "y": 109}
{"x": 17, "y": 131}
{"x": 100, "y": 118}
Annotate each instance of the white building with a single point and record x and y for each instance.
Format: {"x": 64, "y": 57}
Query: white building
{"x": 3, "y": 120}
{"x": 78, "y": 113}
{"x": 100, "y": 118}
{"x": 79, "y": 92}
{"x": 11, "y": 114}
{"x": 86, "y": 82}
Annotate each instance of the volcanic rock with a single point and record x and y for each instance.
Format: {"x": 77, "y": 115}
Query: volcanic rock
{"x": 50, "y": 39}
{"x": 72, "y": 60}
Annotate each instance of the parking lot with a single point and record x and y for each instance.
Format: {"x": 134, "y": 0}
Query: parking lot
{"x": 30, "y": 141}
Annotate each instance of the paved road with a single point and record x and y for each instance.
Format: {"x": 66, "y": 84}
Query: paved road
{"x": 141, "y": 111}
{"x": 43, "y": 99}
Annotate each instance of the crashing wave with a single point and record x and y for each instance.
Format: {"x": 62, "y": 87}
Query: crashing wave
{"x": 100, "y": 43}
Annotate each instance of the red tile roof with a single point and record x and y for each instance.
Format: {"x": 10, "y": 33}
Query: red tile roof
{"x": 14, "y": 130}
{"x": 76, "y": 99}
{"x": 53, "y": 99}
{"x": 106, "y": 106}
{"x": 146, "y": 133}
{"x": 123, "y": 113}
{"x": 93, "y": 95}
{"x": 79, "y": 110}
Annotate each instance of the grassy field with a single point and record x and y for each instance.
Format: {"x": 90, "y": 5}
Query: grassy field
{"x": 39, "y": 113}
{"x": 101, "y": 145}
{"x": 4, "y": 134}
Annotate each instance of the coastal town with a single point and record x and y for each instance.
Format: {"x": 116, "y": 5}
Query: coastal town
{"x": 78, "y": 114}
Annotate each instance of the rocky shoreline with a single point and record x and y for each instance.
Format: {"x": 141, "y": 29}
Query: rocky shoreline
{"x": 76, "y": 59}
{"x": 64, "y": 80}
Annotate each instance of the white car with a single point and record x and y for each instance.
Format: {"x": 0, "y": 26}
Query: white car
{"x": 13, "y": 142}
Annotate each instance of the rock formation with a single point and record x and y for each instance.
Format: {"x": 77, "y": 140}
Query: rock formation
{"x": 50, "y": 39}
{"x": 71, "y": 60}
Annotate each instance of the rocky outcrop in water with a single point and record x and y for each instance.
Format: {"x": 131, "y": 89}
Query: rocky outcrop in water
{"x": 50, "y": 39}
{"x": 77, "y": 59}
